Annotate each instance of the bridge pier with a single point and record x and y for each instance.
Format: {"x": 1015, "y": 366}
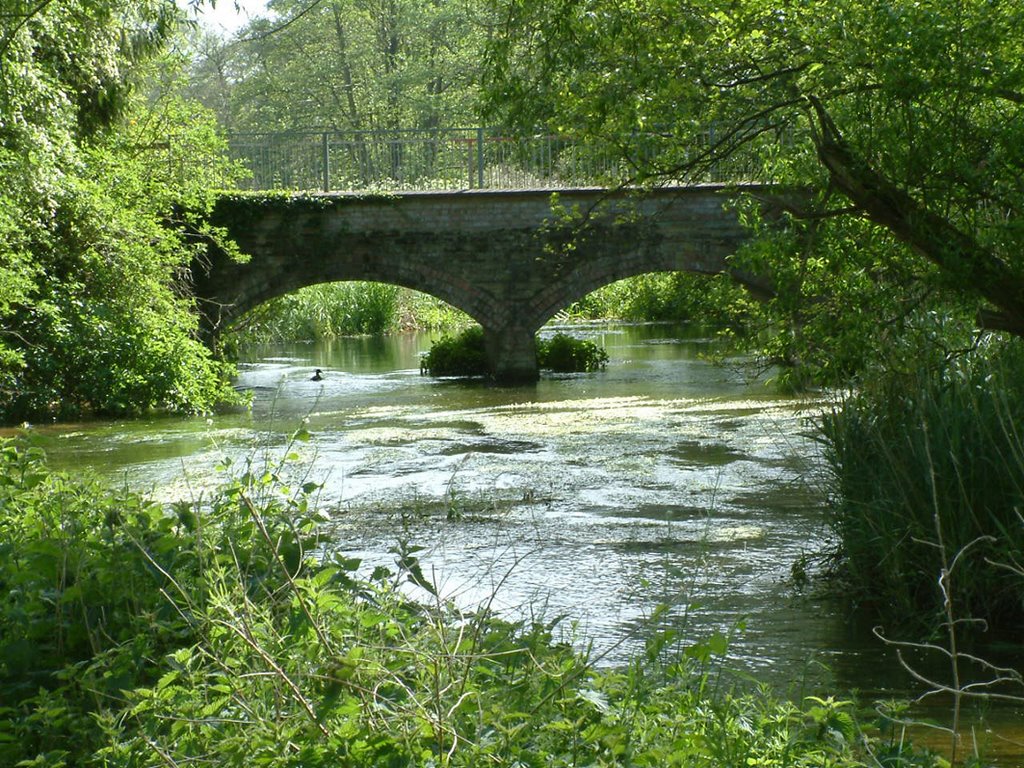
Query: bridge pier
{"x": 512, "y": 354}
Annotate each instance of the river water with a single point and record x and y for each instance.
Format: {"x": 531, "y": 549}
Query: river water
{"x": 664, "y": 480}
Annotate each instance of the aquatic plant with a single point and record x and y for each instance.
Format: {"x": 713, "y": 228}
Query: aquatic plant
{"x": 939, "y": 449}
{"x": 460, "y": 355}
{"x": 565, "y": 354}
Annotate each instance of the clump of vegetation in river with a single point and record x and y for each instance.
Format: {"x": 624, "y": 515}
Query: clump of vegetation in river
{"x": 466, "y": 355}
{"x": 927, "y": 464}
{"x": 565, "y": 354}
{"x": 460, "y": 355}
{"x": 225, "y": 631}
{"x": 330, "y": 310}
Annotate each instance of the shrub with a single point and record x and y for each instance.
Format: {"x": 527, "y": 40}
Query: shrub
{"x": 99, "y": 586}
{"x": 462, "y": 355}
{"x": 82, "y": 615}
{"x": 564, "y": 354}
{"x": 670, "y": 297}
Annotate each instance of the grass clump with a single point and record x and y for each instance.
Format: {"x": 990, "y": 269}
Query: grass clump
{"x": 564, "y": 354}
{"x": 931, "y": 461}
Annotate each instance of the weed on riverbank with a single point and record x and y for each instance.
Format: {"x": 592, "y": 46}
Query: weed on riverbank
{"x": 929, "y": 461}
{"x": 224, "y": 632}
{"x": 330, "y": 310}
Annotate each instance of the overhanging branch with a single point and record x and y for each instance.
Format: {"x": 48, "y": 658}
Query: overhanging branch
{"x": 928, "y": 234}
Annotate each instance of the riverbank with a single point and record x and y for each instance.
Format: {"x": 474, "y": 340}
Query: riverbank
{"x": 665, "y": 479}
{"x": 207, "y": 633}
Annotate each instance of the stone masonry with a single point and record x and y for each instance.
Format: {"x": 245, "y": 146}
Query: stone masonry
{"x": 509, "y": 259}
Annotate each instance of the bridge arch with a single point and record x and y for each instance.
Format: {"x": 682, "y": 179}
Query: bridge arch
{"x": 500, "y": 256}
{"x": 473, "y": 304}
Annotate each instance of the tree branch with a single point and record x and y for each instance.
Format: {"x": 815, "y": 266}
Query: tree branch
{"x": 934, "y": 237}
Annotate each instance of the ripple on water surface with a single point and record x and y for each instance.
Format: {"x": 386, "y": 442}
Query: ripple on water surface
{"x": 664, "y": 479}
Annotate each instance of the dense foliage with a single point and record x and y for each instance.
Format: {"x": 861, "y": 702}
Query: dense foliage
{"x": 326, "y": 311}
{"x": 384, "y": 64}
{"x": 209, "y": 633}
{"x": 901, "y": 122}
{"x": 927, "y": 469}
{"x": 713, "y": 301}
{"x": 82, "y": 617}
{"x": 464, "y": 354}
{"x": 92, "y": 254}
{"x": 563, "y": 353}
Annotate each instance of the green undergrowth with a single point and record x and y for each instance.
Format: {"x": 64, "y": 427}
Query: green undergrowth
{"x": 677, "y": 297}
{"x": 225, "y": 631}
{"x": 565, "y": 354}
{"x": 461, "y": 355}
{"x": 926, "y": 468}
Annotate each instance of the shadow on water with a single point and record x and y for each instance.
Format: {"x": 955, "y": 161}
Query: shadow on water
{"x": 664, "y": 479}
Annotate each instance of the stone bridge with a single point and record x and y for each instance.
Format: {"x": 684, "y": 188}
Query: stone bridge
{"x": 509, "y": 259}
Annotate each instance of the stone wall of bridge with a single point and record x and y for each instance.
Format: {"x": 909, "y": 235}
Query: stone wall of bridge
{"x": 509, "y": 259}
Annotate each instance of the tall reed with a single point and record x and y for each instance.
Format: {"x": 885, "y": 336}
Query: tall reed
{"x": 330, "y": 310}
{"x": 943, "y": 443}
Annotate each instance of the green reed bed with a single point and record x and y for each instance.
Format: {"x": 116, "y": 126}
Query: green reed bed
{"x": 224, "y": 631}
{"x": 927, "y": 466}
{"x": 330, "y": 310}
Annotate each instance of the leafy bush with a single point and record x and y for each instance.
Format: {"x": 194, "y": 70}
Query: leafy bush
{"x": 565, "y": 354}
{"x": 99, "y": 585}
{"x": 928, "y": 458}
{"x": 82, "y": 616}
{"x": 462, "y": 355}
{"x": 669, "y": 297}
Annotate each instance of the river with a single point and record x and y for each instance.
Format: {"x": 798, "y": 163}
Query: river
{"x": 664, "y": 480}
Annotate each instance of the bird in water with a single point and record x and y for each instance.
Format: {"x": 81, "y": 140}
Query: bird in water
{"x": 316, "y": 376}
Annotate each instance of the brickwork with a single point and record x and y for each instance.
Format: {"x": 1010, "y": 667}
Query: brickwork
{"x": 502, "y": 257}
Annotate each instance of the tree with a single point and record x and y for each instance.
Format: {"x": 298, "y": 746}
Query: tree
{"x": 902, "y": 119}
{"x": 93, "y": 253}
{"x": 349, "y": 65}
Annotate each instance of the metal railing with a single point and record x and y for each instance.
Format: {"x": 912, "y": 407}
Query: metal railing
{"x": 449, "y": 159}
